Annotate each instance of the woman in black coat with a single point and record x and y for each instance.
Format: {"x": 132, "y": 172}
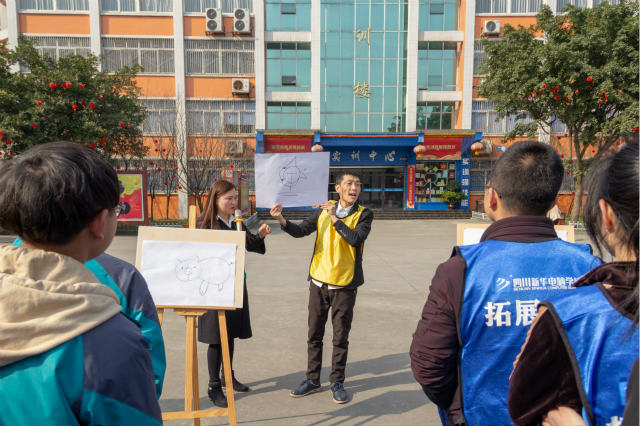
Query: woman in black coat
{"x": 218, "y": 214}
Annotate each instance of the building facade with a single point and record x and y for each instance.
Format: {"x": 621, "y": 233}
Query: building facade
{"x": 367, "y": 79}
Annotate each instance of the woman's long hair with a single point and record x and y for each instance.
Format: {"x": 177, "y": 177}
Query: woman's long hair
{"x": 615, "y": 180}
{"x": 209, "y": 217}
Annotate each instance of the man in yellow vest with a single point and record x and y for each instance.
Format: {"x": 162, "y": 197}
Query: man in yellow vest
{"x": 334, "y": 275}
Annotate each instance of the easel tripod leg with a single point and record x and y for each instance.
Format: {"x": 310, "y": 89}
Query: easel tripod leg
{"x": 226, "y": 365}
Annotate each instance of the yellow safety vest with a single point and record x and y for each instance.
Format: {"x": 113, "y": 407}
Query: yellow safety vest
{"x": 334, "y": 259}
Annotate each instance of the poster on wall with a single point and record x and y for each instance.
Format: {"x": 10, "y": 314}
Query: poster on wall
{"x": 133, "y": 197}
{"x": 293, "y": 180}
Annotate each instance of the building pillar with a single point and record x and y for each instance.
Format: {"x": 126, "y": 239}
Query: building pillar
{"x": 316, "y": 22}
{"x": 412, "y": 66}
{"x": 12, "y": 29}
{"x": 181, "y": 106}
{"x": 259, "y": 55}
{"x": 94, "y": 30}
{"x": 467, "y": 83}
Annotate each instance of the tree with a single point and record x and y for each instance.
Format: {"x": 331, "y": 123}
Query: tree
{"x": 579, "y": 68}
{"x": 68, "y": 99}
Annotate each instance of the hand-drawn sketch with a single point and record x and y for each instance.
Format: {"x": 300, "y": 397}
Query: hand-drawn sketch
{"x": 291, "y": 174}
{"x": 293, "y": 180}
{"x": 181, "y": 273}
{"x": 212, "y": 270}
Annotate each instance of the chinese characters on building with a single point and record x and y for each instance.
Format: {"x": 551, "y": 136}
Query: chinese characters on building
{"x": 362, "y": 90}
{"x": 364, "y": 35}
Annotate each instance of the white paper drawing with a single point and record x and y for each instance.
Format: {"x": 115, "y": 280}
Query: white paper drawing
{"x": 291, "y": 175}
{"x": 212, "y": 270}
{"x": 189, "y": 273}
{"x": 293, "y": 180}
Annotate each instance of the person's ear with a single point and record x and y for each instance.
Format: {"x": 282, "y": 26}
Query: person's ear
{"x": 609, "y": 219}
{"x": 338, "y": 188}
{"x": 492, "y": 198}
{"x": 97, "y": 225}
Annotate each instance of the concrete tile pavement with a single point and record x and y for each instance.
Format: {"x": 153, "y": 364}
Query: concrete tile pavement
{"x": 400, "y": 258}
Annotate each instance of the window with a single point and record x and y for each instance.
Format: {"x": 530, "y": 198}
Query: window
{"x": 53, "y": 4}
{"x": 289, "y": 67}
{"x": 437, "y": 66}
{"x": 288, "y": 115}
{"x": 491, "y": 6}
{"x": 288, "y": 15}
{"x": 154, "y": 55}
{"x": 483, "y": 117}
{"x": 161, "y": 116}
{"x": 215, "y": 117}
{"x": 136, "y": 5}
{"x": 480, "y": 174}
{"x": 227, "y": 6}
{"x": 58, "y": 47}
{"x": 438, "y": 15}
{"x": 436, "y": 115}
{"x": 579, "y": 3}
{"x": 526, "y": 6}
{"x": 219, "y": 56}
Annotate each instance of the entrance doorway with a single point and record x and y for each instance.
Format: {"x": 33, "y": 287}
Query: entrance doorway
{"x": 382, "y": 187}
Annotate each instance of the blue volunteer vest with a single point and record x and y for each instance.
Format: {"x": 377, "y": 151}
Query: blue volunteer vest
{"x": 602, "y": 344}
{"x": 504, "y": 283}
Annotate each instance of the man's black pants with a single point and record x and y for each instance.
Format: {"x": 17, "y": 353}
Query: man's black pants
{"x": 341, "y": 302}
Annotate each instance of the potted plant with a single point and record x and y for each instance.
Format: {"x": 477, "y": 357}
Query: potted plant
{"x": 452, "y": 194}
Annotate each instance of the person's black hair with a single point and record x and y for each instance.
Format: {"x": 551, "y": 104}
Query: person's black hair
{"x": 346, "y": 172}
{"x": 52, "y": 191}
{"x": 614, "y": 179}
{"x": 527, "y": 178}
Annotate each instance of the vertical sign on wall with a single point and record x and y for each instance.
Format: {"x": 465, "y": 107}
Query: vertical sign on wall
{"x": 411, "y": 185}
{"x": 465, "y": 177}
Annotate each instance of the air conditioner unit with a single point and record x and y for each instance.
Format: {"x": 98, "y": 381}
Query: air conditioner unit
{"x": 490, "y": 27}
{"x": 240, "y": 85}
{"x": 234, "y": 147}
{"x": 241, "y": 21}
{"x": 214, "y": 21}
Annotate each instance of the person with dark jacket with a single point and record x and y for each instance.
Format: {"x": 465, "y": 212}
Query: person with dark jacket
{"x": 218, "y": 214}
{"x": 68, "y": 355}
{"x": 484, "y": 297}
{"x": 581, "y": 348}
{"x": 334, "y": 276}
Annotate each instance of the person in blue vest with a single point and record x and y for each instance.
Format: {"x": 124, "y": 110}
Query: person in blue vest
{"x": 581, "y": 348}
{"x": 136, "y": 303}
{"x": 483, "y": 299}
{"x": 68, "y": 356}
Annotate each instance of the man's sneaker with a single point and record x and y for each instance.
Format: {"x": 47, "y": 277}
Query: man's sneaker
{"x": 217, "y": 396}
{"x": 338, "y": 392}
{"x": 306, "y": 387}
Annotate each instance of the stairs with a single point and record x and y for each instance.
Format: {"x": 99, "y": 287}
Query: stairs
{"x": 382, "y": 214}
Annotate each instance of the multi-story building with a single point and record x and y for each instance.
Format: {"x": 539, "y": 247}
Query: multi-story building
{"x": 197, "y": 82}
{"x": 368, "y": 80}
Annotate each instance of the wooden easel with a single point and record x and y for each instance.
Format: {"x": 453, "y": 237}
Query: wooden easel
{"x": 191, "y": 391}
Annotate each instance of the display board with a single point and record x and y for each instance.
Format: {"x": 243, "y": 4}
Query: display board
{"x": 195, "y": 268}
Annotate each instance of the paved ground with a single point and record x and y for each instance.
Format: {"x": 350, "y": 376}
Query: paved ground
{"x": 400, "y": 258}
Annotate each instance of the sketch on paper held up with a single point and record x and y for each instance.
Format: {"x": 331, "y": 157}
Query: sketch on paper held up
{"x": 216, "y": 270}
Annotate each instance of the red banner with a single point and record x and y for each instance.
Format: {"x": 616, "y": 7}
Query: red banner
{"x": 442, "y": 149}
{"x": 411, "y": 186}
{"x": 284, "y": 145}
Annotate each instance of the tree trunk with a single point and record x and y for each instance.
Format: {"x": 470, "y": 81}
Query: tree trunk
{"x": 151, "y": 212}
{"x": 168, "y": 201}
{"x": 577, "y": 200}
